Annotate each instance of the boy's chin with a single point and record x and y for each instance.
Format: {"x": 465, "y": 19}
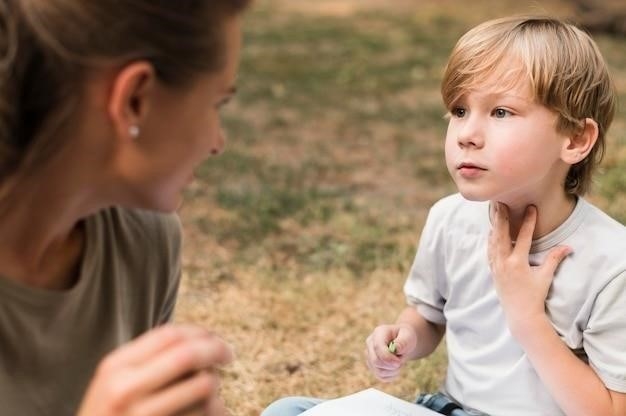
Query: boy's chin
{"x": 473, "y": 196}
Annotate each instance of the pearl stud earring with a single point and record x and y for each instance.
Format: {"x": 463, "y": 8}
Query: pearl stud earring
{"x": 133, "y": 131}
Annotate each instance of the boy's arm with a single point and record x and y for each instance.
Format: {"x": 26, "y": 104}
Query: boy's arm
{"x": 574, "y": 385}
{"x": 522, "y": 290}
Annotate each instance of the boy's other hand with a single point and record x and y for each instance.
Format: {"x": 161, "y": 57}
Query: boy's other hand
{"x": 384, "y": 364}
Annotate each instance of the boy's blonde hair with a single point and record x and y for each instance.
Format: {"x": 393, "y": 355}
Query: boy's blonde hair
{"x": 564, "y": 66}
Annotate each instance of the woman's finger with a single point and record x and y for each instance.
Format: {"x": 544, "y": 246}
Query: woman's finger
{"x": 216, "y": 406}
{"x": 153, "y": 342}
{"x": 181, "y": 359}
{"x": 179, "y": 397}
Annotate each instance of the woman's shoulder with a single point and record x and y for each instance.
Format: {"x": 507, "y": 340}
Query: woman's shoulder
{"x": 137, "y": 229}
{"x": 138, "y": 222}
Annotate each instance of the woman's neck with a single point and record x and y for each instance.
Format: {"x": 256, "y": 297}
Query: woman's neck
{"x": 42, "y": 233}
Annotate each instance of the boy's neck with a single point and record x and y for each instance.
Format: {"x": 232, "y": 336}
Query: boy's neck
{"x": 551, "y": 213}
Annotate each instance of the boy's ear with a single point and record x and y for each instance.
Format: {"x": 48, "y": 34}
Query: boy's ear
{"x": 580, "y": 143}
{"x": 130, "y": 98}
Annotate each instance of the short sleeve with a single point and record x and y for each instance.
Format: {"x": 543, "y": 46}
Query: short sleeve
{"x": 424, "y": 285}
{"x": 604, "y": 339}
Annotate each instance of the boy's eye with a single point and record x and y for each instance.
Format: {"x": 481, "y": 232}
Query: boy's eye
{"x": 500, "y": 113}
{"x": 458, "y": 112}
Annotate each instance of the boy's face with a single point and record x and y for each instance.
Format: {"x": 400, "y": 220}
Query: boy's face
{"x": 503, "y": 146}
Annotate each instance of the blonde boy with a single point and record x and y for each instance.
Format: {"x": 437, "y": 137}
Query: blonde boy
{"x": 526, "y": 279}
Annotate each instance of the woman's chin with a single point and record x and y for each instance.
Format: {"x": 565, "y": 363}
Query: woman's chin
{"x": 167, "y": 203}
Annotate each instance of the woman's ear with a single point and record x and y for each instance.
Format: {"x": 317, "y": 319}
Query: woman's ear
{"x": 130, "y": 98}
{"x": 580, "y": 143}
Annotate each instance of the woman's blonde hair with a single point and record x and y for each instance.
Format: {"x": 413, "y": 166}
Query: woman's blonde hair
{"x": 564, "y": 66}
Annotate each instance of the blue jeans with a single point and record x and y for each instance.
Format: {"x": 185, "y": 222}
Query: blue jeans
{"x": 293, "y": 406}
{"x": 290, "y": 406}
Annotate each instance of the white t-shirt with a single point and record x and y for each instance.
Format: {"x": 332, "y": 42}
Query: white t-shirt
{"x": 450, "y": 283}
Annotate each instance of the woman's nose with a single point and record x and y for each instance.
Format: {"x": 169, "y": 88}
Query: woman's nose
{"x": 219, "y": 142}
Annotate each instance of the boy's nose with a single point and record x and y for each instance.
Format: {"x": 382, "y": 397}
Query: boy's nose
{"x": 469, "y": 135}
{"x": 468, "y": 141}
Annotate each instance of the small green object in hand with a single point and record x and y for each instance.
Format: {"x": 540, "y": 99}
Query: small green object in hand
{"x": 392, "y": 347}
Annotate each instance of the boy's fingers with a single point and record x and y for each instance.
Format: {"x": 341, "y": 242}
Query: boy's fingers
{"x": 380, "y": 359}
{"x": 501, "y": 231}
{"x": 404, "y": 342}
{"x": 383, "y": 358}
{"x": 386, "y": 365}
{"x": 554, "y": 258}
{"x": 378, "y": 342}
{"x": 525, "y": 236}
{"x": 387, "y": 375}
{"x": 491, "y": 250}
{"x": 398, "y": 346}
{"x": 387, "y": 378}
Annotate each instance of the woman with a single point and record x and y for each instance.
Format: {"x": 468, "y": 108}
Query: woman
{"x": 106, "y": 108}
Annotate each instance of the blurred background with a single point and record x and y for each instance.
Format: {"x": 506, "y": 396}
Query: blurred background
{"x": 299, "y": 237}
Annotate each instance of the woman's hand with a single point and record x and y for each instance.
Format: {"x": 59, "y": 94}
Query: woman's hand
{"x": 522, "y": 288}
{"x": 170, "y": 370}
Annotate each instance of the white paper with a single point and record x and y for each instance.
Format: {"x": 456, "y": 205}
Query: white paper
{"x": 370, "y": 402}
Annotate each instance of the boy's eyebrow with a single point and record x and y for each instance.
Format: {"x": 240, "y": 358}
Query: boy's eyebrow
{"x": 505, "y": 94}
{"x": 521, "y": 97}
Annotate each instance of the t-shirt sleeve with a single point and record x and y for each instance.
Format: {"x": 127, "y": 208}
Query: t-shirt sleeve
{"x": 424, "y": 285}
{"x": 604, "y": 339}
{"x": 172, "y": 239}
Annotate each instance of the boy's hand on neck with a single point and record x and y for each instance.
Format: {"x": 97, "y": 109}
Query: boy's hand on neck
{"x": 521, "y": 288}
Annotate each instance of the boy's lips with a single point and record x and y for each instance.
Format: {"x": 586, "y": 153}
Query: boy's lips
{"x": 469, "y": 169}
{"x": 469, "y": 165}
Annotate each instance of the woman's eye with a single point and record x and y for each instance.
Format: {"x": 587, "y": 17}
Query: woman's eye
{"x": 458, "y": 112}
{"x": 500, "y": 113}
{"x": 222, "y": 103}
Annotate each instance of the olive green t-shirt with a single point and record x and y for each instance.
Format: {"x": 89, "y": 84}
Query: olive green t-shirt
{"x": 52, "y": 341}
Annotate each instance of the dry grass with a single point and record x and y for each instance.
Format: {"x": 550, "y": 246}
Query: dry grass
{"x": 299, "y": 237}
